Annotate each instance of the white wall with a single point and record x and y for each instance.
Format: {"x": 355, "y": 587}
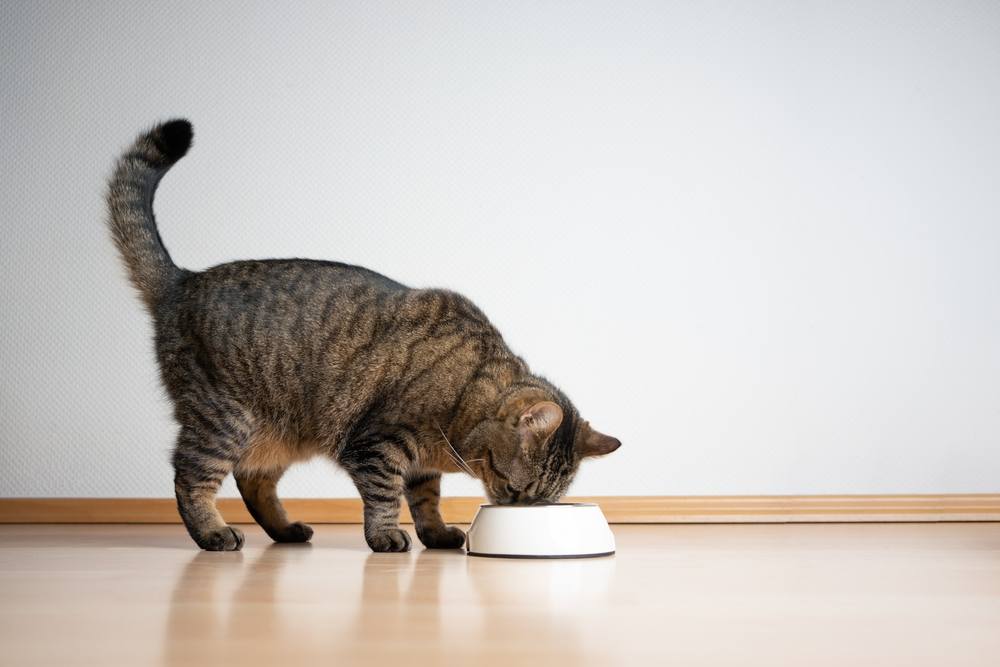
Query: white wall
{"x": 759, "y": 242}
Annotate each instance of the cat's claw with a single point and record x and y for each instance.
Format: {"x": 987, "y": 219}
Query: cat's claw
{"x": 389, "y": 540}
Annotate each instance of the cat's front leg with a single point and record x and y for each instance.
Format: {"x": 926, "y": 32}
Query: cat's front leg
{"x": 377, "y": 472}
{"x": 423, "y": 494}
{"x": 382, "y": 531}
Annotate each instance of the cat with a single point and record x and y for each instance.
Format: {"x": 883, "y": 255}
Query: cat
{"x": 274, "y": 361}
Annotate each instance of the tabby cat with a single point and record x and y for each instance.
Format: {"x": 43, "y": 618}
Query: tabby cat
{"x": 275, "y": 361}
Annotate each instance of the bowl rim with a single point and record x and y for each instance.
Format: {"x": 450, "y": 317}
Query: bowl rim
{"x": 528, "y": 507}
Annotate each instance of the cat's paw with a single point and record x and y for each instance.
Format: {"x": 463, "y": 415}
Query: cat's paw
{"x": 294, "y": 532}
{"x": 442, "y": 537}
{"x": 388, "y": 539}
{"x": 223, "y": 539}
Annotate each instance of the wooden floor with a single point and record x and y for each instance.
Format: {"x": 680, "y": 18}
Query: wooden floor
{"x": 835, "y": 594}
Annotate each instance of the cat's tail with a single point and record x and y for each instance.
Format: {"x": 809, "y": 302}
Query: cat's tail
{"x": 130, "y": 207}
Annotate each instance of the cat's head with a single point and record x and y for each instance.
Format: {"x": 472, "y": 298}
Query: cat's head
{"x": 530, "y": 451}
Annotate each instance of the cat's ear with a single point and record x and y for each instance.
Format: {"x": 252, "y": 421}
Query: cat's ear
{"x": 537, "y": 423}
{"x": 595, "y": 443}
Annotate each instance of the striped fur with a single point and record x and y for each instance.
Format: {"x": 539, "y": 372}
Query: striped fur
{"x": 276, "y": 361}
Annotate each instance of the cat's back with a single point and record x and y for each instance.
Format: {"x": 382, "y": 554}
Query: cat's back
{"x": 277, "y": 301}
{"x": 285, "y": 278}
{"x": 279, "y": 335}
{"x": 280, "y": 286}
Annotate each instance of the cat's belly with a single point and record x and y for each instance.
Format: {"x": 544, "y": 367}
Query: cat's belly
{"x": 269, "y": 453}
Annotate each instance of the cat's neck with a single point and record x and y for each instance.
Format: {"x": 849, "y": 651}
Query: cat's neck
{"x": 488, "y": 397}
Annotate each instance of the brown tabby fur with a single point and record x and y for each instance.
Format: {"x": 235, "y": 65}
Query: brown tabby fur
{"x": 276, "y": 361}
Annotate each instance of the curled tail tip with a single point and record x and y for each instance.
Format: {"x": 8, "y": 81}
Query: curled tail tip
{"x": 173, "y": 138}
{"x": 130, "y": 205}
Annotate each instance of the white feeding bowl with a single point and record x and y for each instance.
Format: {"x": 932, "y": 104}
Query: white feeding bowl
{"x": 560, "y": 530}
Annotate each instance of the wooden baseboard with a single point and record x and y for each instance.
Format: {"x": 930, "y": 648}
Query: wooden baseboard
{"x": 618, "y": 509}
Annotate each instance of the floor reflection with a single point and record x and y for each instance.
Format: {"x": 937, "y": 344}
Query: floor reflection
{"x": 561, "y": 601}
{"x": 221, "y": 609}
{"x": 428, "y": 607}
{"x": 399, "y": 611}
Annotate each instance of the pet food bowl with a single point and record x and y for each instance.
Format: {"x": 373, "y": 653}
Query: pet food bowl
{"x": 560, "y": 530}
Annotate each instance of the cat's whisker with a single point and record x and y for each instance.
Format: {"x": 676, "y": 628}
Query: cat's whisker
{"x": 452, "y": 457}
{"x": 457, "y": 457}
{"x": 465, "y": 466}
{"x": 460, "y": 463}
{"x": 454, "y": 460}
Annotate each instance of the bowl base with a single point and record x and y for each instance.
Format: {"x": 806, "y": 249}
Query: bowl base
{"x": 482, "y": 555}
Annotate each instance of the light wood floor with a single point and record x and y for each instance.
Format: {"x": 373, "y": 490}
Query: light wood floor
{"x": 835, "y": 594}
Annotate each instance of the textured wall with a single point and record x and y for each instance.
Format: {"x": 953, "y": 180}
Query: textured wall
{"x": 759, "y": 242}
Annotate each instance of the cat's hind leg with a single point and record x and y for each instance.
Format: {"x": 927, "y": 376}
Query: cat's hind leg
{"x": 205, "y": 453}
{"x": 259, "y": 491}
